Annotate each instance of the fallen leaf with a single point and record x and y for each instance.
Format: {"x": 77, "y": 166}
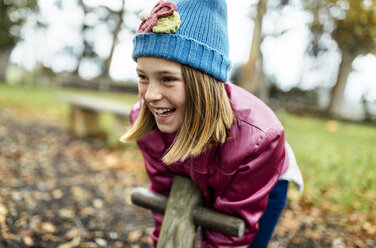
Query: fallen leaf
{"x": 73, "y": 243}
{"x": 28, "y": 241}
{"x": 119, "y": 244}
{"x": 73, "y": 233}
{"x": 48, "y": 227}
{"x": 26, "y": 232}
{"x": 338, "y": 243}
{"x": 57, "y": 194}
{"x": 66, "y": 213}
{"x": 48, "y": 237}
{"x": 87, "y": 211}
{"x": 101, "y": 242}
{"x": 113, "y": 235}
{"x": 98, "y": 203}
{"x": 38, "y": 195}
{"x": 147, "y": 240}
{"x": 134, "y": 236}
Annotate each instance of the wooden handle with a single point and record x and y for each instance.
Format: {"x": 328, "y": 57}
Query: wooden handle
{"x": 202, "y": 216}
{"x": 145, "y": 198}
{"x": 219, "y": 222}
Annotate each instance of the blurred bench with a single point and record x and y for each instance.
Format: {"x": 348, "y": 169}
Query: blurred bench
{"x": 84, "y": 118}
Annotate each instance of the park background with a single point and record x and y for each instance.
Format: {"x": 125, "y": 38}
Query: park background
{"x": 312, "y": 61}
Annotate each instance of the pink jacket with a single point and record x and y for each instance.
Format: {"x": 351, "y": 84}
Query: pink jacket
{"x": 235, "y": 177}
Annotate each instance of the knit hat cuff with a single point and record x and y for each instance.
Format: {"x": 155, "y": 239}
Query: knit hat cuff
{"x": 183, "y": 50}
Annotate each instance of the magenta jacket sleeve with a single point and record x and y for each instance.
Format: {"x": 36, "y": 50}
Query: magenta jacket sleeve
{"x": 247, "y": 194}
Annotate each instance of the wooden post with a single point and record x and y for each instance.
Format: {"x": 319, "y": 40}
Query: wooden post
{"x": 178, "y": 229}
{"x": 84, "y": 122}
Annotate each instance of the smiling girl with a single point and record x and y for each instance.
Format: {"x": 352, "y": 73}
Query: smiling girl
{"x": 162, "y": 86}
{"x": 191, "y": 121}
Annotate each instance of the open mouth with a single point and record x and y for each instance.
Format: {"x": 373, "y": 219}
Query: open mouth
{"x": 165, "y": 112}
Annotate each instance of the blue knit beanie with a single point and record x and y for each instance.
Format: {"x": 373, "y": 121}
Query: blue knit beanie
{"x": 191, "y": 32}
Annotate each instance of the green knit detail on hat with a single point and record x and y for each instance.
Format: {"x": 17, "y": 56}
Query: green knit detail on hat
{"x": 168, "y": 24}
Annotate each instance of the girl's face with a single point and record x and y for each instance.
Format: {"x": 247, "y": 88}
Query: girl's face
{"x": 162, "y": 87}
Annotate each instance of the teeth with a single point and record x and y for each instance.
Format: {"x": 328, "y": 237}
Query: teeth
{"x": 161, "y": 111}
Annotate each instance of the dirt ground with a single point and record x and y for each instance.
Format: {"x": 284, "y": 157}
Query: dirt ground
{"x": 60, "y": 191}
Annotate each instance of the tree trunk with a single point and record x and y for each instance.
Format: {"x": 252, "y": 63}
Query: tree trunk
{"x": 252, "y": 71}
{"x": 86, "y": 46}
{"x": 4, "y": 59}
{"x": 115, "y": 36}
{"x": 338, "y": 90}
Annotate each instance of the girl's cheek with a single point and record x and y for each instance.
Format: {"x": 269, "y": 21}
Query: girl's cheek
{"x": 141, "y": 90}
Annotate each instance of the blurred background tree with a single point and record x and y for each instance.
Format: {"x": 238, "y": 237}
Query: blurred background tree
{"x": 352, "y": 25}
{"x": 252, "y": 76}
{"x": 97, "y": 17}
{"x": 13, "y": 16}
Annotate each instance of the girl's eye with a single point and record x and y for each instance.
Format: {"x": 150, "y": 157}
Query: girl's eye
{"x": 142, "y": 77}
{"x": 168, "y": 79}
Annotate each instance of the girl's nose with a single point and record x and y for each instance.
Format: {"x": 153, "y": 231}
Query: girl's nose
{"x": 153, "y": 93}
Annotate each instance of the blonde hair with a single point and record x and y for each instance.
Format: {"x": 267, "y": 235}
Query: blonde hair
{"x": 208, "y": 116}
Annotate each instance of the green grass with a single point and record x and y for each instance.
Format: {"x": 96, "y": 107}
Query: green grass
{"x": 30, "y": 101}
{"x": 126, "y": 98}
{"x": 43, "y": 98}
{"x": 337, "y": 159}
{"x": 12, "y": 95}
{"x": 338, "y": 162}
{"x": 41, "y": 102}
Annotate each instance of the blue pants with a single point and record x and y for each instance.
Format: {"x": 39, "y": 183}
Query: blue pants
{"x": 267, "y": 223}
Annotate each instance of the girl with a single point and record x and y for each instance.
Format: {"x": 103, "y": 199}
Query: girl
{"x": 192, "y": 121}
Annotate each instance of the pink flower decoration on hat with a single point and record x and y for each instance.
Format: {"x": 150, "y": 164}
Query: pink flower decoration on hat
{"x": 161, "y": 9}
